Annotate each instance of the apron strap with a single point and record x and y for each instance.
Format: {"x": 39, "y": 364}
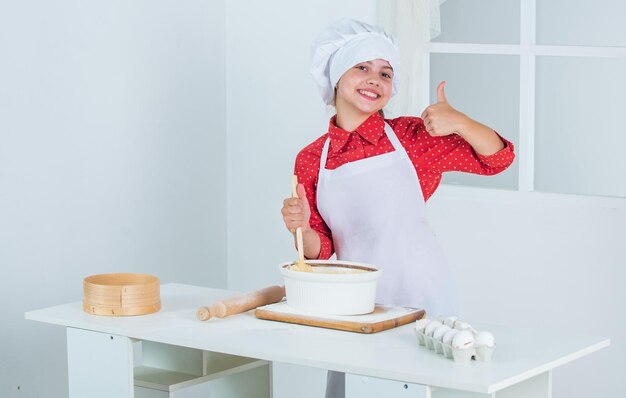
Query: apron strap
{"x": 324, "y": 154}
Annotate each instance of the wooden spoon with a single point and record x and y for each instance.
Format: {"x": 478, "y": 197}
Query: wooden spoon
{"x": 299, "y": 265}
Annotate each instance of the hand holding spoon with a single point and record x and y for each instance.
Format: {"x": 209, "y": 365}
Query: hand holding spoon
{"x": 299, "y": 265}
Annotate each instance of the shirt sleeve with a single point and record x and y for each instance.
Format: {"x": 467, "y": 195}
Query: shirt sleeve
{"x": 448, "y": 153}
{"x": 500, "y": 160}
{"x": 307, "y": 170}
{"x": 458, "y": 155}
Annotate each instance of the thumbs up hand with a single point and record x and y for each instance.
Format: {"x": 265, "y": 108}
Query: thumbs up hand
{"x": 442, "y": 119}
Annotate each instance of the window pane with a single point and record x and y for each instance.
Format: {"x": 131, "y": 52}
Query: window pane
{"x": 480, "y": 21}
{"x": 581, "y": 22}
{"x": 486, "y": 88}
{"x": 580, "y": 130}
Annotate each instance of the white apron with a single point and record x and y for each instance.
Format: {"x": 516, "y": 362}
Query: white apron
{"x": 376, "y": 212}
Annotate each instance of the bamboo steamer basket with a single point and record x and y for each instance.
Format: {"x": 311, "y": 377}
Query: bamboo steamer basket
{"x": 121, "y": 294}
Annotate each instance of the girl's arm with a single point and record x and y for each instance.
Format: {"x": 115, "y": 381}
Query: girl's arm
{"x": 482, "y": 138}
{"x": 311, "y": 242}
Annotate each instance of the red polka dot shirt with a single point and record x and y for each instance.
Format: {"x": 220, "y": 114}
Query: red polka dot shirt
{"x": 431, "y": 156}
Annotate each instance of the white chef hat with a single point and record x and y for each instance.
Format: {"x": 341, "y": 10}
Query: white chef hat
{"x": 344, "y": 44}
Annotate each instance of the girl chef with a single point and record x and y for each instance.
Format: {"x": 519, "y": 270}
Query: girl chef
{"x": 367, "y": 201}
{"x": 364, "y": 182}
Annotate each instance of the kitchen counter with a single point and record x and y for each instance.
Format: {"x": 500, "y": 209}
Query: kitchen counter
{"x": 521, "y": 365}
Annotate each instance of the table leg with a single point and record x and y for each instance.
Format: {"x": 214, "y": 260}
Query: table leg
{"x": 363, "y": 386}
{"x": 100, "y": 365}
{"x": 539, "y": 386}
{"x": 288, "y": 381}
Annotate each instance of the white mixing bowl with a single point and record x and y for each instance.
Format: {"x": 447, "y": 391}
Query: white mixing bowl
{"x": 333, "y": 288}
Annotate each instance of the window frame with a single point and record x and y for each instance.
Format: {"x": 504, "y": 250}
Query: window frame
{"x": 527, "y": 50}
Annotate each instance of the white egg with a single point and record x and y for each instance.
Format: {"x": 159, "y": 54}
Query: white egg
{"x": 440, "y": 331}
{"x": 484, "y": 339}
{"x": 448, "y": 336}
{"x": 450, "y": 321}
{"x": 420, "y": 324}
{"x": 463, "y": 339}
{"x": 460, "y": 325}
{"x": 430, "y": 328}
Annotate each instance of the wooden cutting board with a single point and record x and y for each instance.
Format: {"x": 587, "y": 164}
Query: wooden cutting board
{"x": 384, "y": 317}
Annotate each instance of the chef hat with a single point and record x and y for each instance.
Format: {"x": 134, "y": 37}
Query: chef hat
{"x": 344, "y": 44}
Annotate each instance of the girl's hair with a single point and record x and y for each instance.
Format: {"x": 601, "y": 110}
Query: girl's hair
{"x": 381, "y": 111}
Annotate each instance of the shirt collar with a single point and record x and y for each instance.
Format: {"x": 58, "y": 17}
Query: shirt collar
{"x": 372, "y": 129}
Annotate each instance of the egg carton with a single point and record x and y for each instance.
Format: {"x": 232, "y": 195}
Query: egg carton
{"x": 439, "y": 338}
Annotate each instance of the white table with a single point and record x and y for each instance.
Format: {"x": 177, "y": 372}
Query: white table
{"x": 388, "y": 363}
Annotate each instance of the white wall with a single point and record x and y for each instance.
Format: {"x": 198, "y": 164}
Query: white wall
{"x": 112, "y": 159}
{"x": 542, "y": 260}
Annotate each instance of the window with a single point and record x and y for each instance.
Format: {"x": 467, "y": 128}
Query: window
{"x": 550, "y": 76}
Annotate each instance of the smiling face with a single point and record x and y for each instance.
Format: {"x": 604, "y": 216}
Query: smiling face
{"x": 364, "y": 89}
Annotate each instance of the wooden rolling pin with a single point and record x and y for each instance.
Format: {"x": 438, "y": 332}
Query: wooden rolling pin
{"x": 242, "y": 303}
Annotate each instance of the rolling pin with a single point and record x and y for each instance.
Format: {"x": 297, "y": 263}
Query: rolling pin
{"x": 242, "y": 303}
